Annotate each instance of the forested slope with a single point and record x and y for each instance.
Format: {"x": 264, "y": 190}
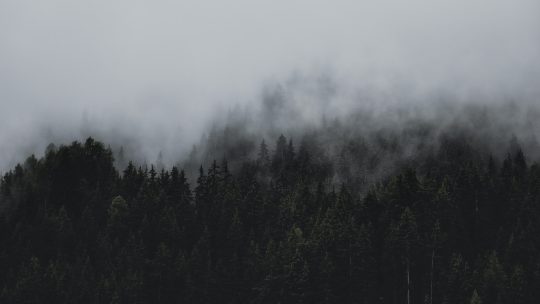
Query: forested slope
{"x": 456, "y": 226}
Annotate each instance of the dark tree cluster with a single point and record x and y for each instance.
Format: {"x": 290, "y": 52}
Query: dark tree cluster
{"x": 457, "y": 227}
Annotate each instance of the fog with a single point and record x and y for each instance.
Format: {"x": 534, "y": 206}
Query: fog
{"x": 154, "y": 75}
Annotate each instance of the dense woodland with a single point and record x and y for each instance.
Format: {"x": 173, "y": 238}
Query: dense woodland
{"x": 459, "y": 226}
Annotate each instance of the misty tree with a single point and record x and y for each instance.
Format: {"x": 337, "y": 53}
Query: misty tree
{"x": 74, "y": 229}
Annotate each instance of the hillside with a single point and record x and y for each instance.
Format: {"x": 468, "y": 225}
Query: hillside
{"x": 455, "y": 226}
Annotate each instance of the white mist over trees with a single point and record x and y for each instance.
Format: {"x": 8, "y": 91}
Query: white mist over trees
{"x": 154, "y": 75}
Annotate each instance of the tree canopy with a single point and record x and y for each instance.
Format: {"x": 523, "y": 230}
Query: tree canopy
{"x": 458, "y": 227}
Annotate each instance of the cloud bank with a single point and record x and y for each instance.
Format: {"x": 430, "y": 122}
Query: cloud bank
{"x": 151, "y": 75}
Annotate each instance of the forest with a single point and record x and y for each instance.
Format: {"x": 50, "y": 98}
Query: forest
{"x": 270, "y": 152}
{"x": 458, "y": 225}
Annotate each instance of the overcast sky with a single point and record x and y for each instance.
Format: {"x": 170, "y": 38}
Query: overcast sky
{"x": 159, "y": 70}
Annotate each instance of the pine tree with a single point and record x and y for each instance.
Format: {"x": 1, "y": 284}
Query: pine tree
{"x": 118, "y": 214}
{"x": 263, "y": 158}
{"x": 475, "y": 299}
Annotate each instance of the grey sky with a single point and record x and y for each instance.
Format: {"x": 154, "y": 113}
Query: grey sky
{"x": 160, "y": 70}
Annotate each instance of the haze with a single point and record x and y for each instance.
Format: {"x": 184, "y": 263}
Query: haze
{"x": 154, "y": 74}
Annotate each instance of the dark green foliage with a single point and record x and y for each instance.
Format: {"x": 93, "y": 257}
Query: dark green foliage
{"x": 459, "y": 227}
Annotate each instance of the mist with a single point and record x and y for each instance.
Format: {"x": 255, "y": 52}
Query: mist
{"x": 155, "y": 76}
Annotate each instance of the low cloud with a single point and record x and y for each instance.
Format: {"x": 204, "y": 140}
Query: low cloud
{"x": 154, "y": 75}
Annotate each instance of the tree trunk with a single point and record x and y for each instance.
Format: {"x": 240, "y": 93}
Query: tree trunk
{"x": 408, "y": 283}
{"x": 431, "y": 276}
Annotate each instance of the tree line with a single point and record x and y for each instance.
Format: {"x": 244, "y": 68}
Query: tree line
{"x": 460, "y": 226}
